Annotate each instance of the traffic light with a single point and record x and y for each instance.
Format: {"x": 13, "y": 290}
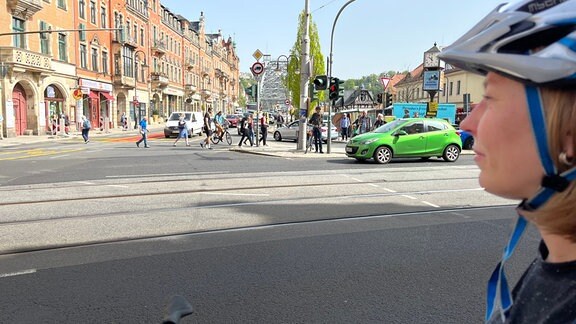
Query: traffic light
{"x": 252, "y": 91}
{"x": 321, "y": 82}
{"x": 312, "y": 92}
{"x": 379, "y": 98}
{"x": 335, "y": 88}
{"x": 248, "y": 90}
{"x": 388, "y": 100}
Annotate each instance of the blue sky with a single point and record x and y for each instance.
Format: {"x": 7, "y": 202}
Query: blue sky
{"x": 371, "y": 36}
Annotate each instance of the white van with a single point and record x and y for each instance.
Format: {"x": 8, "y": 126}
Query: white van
{"x": 194, "y": 123}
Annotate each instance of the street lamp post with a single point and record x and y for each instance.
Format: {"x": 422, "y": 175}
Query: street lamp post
{"x": 136, "y": 102}
{"x": 329, "y": 76}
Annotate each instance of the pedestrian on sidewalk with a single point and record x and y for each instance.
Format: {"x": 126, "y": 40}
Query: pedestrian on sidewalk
{"x": 86, "y": 129}
{"x": 316, "y": 122}
{"x": 244, "y": 131}
{"x": 379, "y": 121}
{"x": 144, "y": 132}
{"x": 182, "y": 131}
{"x": 344, "y": 124}
{"x": 207, "y": 129}
{"x": 250, "y": 129}
{"x": 124, "y": 121}
{"x": 264, "y": 128}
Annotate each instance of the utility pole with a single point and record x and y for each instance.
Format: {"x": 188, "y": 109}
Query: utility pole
{"x": 304, "y": 77}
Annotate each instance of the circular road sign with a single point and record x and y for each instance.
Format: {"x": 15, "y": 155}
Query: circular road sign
{"x": 287, "y": 101}
{"x": 77, "y": 94}
{"x": 257, "y": 68}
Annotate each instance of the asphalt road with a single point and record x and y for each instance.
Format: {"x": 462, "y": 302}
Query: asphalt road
{"x": 109, "y": 232}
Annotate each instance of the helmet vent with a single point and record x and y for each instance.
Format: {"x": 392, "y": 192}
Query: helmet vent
{"x": 535, "y": 41}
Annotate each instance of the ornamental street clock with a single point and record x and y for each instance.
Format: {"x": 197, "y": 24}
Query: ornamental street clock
{"x": 431, "y": 77}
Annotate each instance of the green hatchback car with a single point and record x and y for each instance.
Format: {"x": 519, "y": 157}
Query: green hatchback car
{"x": 407, "y": 138}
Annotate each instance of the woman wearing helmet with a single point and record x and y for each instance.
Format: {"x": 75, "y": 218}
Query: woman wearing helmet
{"x": 528, "y": 53}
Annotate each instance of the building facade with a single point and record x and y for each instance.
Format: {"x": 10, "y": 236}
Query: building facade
{"x": 105, "y": 58}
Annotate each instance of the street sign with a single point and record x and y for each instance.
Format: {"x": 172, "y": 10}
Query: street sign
{"x": 77, "y": 94}
{"x": 384, "y": 81}
{"x": 257, "y": 68}
{"x": 287, "y": 102}
{"x": 136, "y": 103}
{"x": 257, "y": 55}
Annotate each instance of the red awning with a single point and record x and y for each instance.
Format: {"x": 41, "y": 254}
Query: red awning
{"x": 107, "y": 96}
{"x": 93, "y": 95}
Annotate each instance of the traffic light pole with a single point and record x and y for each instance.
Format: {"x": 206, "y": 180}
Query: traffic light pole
{"x": 329, "y": 74}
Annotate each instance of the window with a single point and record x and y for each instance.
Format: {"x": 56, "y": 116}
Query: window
{"x": 62, "y": 46}
{"x": 435, "y": 126}
{"x": 93, "y": 12}
{"x": 44, "y": 39}
{"x": 95, "y": 60}
{"x": 82, "y": 33}
{"x": 141, "y": 36}
{"x": 82, "y": 9}
{"x": 18, "y": 26}
{"x": 83, "y": 56}
{"x": 103, "y": 17}
{"x": 458, "y": 87}
{"x": 62, "y": 4}
{"x": 451, "y": 86}
{"x": 128, "y": 59}
{"x": 105, "y": 63}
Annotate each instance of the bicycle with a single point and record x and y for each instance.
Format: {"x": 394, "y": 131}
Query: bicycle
{"x": 309, "y": 141}
{"x": 225, "y": 136}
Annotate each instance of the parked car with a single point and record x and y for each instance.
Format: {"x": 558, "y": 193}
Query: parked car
{"x": 467, "y": 139}
{"x": 290, "y": 132}
{"x": 194, "y": 123}
{"x": 232, "y": 120}
{"x": 407, "y": 138}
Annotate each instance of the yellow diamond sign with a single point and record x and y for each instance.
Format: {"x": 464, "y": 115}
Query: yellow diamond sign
{"x": 257, "y": 55}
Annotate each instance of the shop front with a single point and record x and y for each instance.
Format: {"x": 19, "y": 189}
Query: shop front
{"x": 97, "y": 103}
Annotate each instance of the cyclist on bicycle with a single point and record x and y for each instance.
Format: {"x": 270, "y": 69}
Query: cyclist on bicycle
{"x": 219, "y": 122}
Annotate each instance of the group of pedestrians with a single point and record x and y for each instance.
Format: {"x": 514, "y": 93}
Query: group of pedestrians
{"x": 363, "y": 124}
{"x": 247, "y": 129}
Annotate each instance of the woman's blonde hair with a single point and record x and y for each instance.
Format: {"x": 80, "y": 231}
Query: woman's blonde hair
{"x": 558, "y": 215}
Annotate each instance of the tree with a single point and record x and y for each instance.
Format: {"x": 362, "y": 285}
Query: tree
{"x": 292, "y": 80}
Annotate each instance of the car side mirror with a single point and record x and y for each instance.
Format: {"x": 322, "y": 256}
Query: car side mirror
{"x": 400, "y": 132}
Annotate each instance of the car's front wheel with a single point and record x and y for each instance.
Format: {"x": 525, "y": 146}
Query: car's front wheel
{"x": 383, "y": 155}
{"x": 451, "y": 153}
{"x": 277, "y": 136}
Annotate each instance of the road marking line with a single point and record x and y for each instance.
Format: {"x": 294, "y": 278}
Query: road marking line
{"x": 57, "y": 157}
{"x": 374, "y": 185}
{"x": 430, "y": 204}
{"x": 233, "y": 194}
{"x": 409, "y": 197}
{"x": 19, "y": 273}
{"x": 117, "y": 186}
{"x": 358, "y": 180}
{"x": 389, "y": 190}
{"x": 85, "y": 182}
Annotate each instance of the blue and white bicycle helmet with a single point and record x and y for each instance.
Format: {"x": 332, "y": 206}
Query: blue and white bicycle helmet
{"x": 533, "y": 42}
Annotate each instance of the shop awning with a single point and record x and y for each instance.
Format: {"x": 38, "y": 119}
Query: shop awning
{"x": 107, "y": 96}
{"x": 93, "y": 95}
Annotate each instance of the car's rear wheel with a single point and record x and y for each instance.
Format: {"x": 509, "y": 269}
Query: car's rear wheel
{"x": 277, "y": 136}
{"x": 383, "y": 155}
{"x": 451, "y": 153}
{"x": 467, "y": 145}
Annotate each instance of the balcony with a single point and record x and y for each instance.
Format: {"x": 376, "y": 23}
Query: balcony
{"x": 24, "y": 8}
{"x": 27, "y": 60}
{"x": 190, "y": 88}
{"x": 159, "y": 48}
{"x": 189, "y": 63}
{"x": 123, "y": 81}
{"x": 206, "y": 93}
{"x": 159, "y": 79}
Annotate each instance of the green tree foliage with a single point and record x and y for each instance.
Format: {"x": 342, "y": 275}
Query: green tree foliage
{"x": 292, "y": 80}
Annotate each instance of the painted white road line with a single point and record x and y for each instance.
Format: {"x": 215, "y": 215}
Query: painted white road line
{"x": 85, "y": 182}
{"x": 389, "y": 190}
{"x": 117, "y": 186}
{"x": 233, "y": 194}
{"x": 409, "y": 197}
{"x": 358, "y": 180}
{"x": 60, "y": 156}
{"x": 430, "y": 204}
{"x": 374, "y": 185}
{"x": 19, "y": 273}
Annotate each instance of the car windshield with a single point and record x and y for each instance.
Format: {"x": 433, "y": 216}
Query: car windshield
{"x": 389, "y": 126}
{"x": 174, "y": 117}
{"x": 231, "y": 116}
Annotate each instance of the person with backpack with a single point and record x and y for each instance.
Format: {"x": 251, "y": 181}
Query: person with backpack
{"x": 316, "y": 122}
{"x": 244, "y": 131}
{"x": 86, "y": 129}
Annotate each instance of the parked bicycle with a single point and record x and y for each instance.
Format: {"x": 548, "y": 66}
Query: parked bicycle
{"x": 309, "y": 141}
{"x": 225, "y": 136}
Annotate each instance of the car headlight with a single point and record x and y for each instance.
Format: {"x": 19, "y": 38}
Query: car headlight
{"x": 369, "y": 141}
